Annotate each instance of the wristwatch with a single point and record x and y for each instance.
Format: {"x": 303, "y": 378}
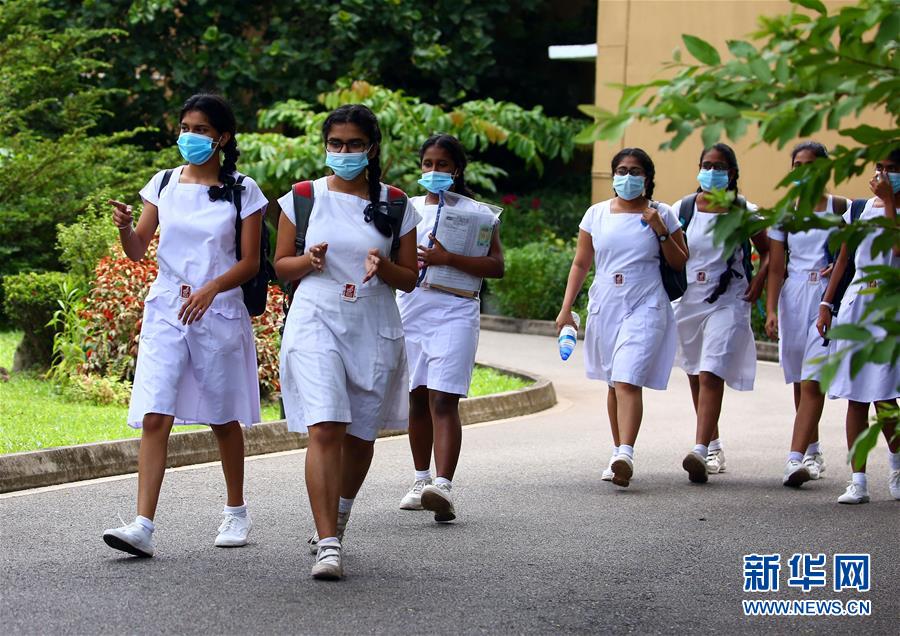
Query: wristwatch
{"x": 663, "y": 237}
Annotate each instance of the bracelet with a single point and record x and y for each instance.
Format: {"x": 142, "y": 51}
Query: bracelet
{"x": 125, "y": 227}
{"x": 826, "y": 304}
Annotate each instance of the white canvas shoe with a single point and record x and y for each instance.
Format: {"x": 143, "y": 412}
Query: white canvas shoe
{"x": 623, "y": 468}
{"x": 413, "y": 499}
{"x": 815, "y": 462}
{"x": 715, "y": 461}
{"x": 855, "y": 494}
{"x": 132, "y": 538}
{"x": 328, "y": 566}
{"x": 796, "y": 474}
{"x": 342, "y": 520}
{"x": 607, "y": 474}
{"x": 894, "y": 483}
{"x": 233, "y": 531}
{"x": 695, "y": 465}
{"x": 437, "y": 498}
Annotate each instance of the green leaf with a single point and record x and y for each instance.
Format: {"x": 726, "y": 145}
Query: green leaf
{"x": 866, "y": 134}
{"x": 850, "y": 332}
{"x": 864, "y": 445}
{"x": 702, "y": 50}
{"x": 716, "y": 108}
{"x": 712, "y": 133}
{"x": 815, "y": 5}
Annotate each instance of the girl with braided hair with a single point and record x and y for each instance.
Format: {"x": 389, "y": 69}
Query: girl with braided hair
{"x": 343, "y": 363}
{"x": 197, "y": 357}
{"x": 441, "y": 332}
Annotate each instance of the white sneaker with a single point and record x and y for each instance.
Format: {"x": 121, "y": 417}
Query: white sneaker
{"x": 413, "y": 499}
{"x": 695, "y": 465}
{"x": 816, "y": 464}
{"x": 623, "y": 468}
{"x": 234, "y": 530}
{"x": 328, "y": 565}
{"x": 894, "y": 484}
{"x": 796, "y": 473}
{"x": 132, "y": 538}
{"x": 313, "y": 541}
{"x": 715, "y": 461}
{"x": 855, "y": 494}
{"x": 437, "y": 498}
{"x": 608, "y": 472}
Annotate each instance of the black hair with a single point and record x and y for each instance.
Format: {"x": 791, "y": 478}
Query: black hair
{"x": 453, "y": 146}
{"x": 221, "y": 117}
{"x": 731, "y": 158}
{"x": 646, "y": 163}
{"x": 818, "y": 150}
{"x": 894, "y": 155}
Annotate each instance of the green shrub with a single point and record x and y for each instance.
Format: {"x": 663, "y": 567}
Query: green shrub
{"x": 30, "y": 301}
{"x": 535, "y": 280}
{"x": 83, "y": 243}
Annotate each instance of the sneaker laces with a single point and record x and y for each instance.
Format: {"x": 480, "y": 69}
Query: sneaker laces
{"x": 229, "y": 523}
{"x": 418, "y": 486}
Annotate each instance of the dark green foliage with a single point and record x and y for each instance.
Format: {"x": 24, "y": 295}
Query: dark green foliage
{"x": 30, "y": 300}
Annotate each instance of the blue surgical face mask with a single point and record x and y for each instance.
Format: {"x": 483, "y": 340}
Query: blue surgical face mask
{"x": 347, "y": 165}
{"x": 628, "y": 186}
{"x": 436, "y": 182}
{"x": 713, "y": 180}
{"x": 196, "y": 149}
{"x": 895, "y": 181}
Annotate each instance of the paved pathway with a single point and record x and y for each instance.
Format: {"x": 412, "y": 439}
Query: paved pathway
{"x": 542, "y": 545}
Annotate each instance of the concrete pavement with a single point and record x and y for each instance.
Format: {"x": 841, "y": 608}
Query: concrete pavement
{"x": 541, "y": 546}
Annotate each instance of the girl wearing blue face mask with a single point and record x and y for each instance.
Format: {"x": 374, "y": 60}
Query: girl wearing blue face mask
{"x": 630, "y": 334}
{"x": 873, "y": 383}
{"x": 441, "y": 333}
{"x": 343, "y": 362}
{"x": 715, "y": 341}
{"x": 197, "y": 357}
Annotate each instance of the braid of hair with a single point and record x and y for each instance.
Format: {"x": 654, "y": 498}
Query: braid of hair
{"x": 373, "y": 175}
{"x": 460, "y": 186}
{"x": 231, "y": 154}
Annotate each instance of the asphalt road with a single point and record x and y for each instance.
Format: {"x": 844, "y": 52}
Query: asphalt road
{"x": 541, "y": 545}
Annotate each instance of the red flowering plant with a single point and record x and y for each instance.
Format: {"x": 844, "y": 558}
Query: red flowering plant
{"x": 267, "y": 331}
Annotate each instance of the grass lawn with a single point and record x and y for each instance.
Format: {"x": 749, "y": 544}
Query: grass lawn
{"x": 33, "y": 415}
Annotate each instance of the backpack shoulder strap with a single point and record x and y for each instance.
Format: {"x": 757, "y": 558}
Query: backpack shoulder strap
{"x": 838, "y": 205}
{"x": 303, "y": 195}
{"x": 686, "y": 210}
{"x": 167, "y": 176}
{"x": 857, "y": 208}
{"x": 236, "y": 199}
{"x": 236, "y": 195}
{"x": 397, "y": 200}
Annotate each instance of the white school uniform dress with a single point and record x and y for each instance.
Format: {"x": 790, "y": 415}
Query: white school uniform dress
{"x": 799, "y": 341}
{"x": 441, "y": 329}
{"x": 204, "y": 372}
{"x": 344, "y": 360}
{"x": 630, "y": 331}
{"x": 874, "y": 382}
{"x": 714, "y": 337}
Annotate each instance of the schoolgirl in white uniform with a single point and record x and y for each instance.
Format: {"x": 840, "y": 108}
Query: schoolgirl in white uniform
{"x": 441, "y": 335}
{"x": 630, "y": 333}
{"x": 197, "y": 356}
{"x": 715, "y": 342}
{"x": 343, "y": 363}
{"x": 792, "y": 309}
{"x": 876, "y": 383}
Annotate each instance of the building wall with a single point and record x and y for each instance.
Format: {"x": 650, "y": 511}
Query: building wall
{"x": 635, "y": 38}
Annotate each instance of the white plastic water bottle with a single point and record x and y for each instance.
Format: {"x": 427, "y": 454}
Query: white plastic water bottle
{"x": 568, "y": 336}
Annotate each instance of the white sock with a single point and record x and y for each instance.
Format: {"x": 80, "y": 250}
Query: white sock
{"x": 345, "y": 505}
{"x": 237, "y": 511}
{"x": 715, "y": 445}
{"x": 423, "y": 474}
{"x": 795, "y": 456}
{"x": 625, "y": 449}
{"x": 146, "y": 523}
{"x": 443, "y": 480}
{"x": 860, "y": 479}
{"x": 894, "y": 460}
{"x": 329, "y": 541}
{"x": 813, "y": 448}
{"x": 615, "y": 451}
{"x": 701, "y": 450}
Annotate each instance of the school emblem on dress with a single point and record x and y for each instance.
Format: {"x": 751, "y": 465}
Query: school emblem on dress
{"x": 349, "y": 293}
{"x": 185, "y": 291}
{"x": 618, "y": 279}
{"x": 701, "y": 277}
{"x": 872, "y": 284}
{"x": 813, "y": 278}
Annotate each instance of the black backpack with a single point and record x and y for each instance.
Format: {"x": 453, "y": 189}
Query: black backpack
{"x": 686, "y": 213}
{"x": 856, "y": 210}
{"x": 256, "y": 290}
{"x": 674, "y": 280}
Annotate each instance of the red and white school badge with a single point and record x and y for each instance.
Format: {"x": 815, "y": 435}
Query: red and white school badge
{"x": 185, "y": 291}
{"x": 349, "y": 293}
{"x": 701, "y": 277}
{"x": 618, "y": 279}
